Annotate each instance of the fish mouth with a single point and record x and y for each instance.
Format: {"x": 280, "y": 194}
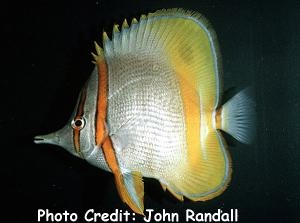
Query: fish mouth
{"x": 38, "y": 140}
{"x": 51, "y": 138}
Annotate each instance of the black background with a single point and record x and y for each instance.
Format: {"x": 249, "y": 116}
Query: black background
{"x": 46, "y": 59}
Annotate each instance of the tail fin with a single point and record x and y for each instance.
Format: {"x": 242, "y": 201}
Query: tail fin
{"x": 238, "y": 116}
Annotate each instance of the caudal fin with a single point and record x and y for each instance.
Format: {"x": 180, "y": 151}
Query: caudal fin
{"x": 238, "y": 116}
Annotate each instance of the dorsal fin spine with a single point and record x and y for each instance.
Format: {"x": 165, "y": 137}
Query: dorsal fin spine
{"x": 107, "y": 44}
{"x": 99, "y": 56}
{"x": 124, "y": 40}
{"x": 125, "y": 24}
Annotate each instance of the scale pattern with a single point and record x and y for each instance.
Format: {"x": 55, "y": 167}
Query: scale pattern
{"x": 145, "y": 115}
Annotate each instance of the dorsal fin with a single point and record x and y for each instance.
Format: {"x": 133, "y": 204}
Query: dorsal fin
{"x": 185, "y": 37}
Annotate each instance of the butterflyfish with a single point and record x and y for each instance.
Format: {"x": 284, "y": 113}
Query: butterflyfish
{"x": 152, "y": 108}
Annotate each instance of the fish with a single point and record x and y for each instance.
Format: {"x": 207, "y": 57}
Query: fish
{"x": 152, "y": 108}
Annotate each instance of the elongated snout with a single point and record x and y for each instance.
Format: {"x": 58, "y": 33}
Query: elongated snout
{"x": 63, "y": 138}
{"x": 51, "y": 138}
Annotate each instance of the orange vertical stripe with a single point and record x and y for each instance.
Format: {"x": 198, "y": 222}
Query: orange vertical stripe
{"x": 191, "y": 108}
{"x": 103, "y": 139}
{"x": 101, "y": 131}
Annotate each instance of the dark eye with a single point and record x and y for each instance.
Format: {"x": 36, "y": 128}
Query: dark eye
{"x": 78, "y": 123}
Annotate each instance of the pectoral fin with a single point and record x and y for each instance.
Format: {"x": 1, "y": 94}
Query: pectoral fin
{"x": 130, "y": 185}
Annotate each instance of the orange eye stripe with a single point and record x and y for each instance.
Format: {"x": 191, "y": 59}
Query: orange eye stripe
{"x": 79, "y": 115}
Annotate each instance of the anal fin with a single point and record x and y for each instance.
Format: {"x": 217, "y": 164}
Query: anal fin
{"x": 206, "y": 178}
{"x": 176, "y": 195}
{"x": 164, "y": 187}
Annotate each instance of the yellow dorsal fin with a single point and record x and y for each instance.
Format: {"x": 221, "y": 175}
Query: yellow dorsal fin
{"x": 191, "y": 45}
{"x": 185, "y": 38}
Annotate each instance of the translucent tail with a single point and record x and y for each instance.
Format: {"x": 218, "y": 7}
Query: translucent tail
{"x": 238, "y": 117}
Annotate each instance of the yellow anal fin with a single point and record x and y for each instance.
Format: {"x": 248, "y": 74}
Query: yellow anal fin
{"x": 208, "y": 177}
{"x": 175, "y": 194}
{"x": 130, "y": 185}
{"x": 213, "y": 174}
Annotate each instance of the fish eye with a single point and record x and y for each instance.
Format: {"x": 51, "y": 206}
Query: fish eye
{"x": 78, "y": 123}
